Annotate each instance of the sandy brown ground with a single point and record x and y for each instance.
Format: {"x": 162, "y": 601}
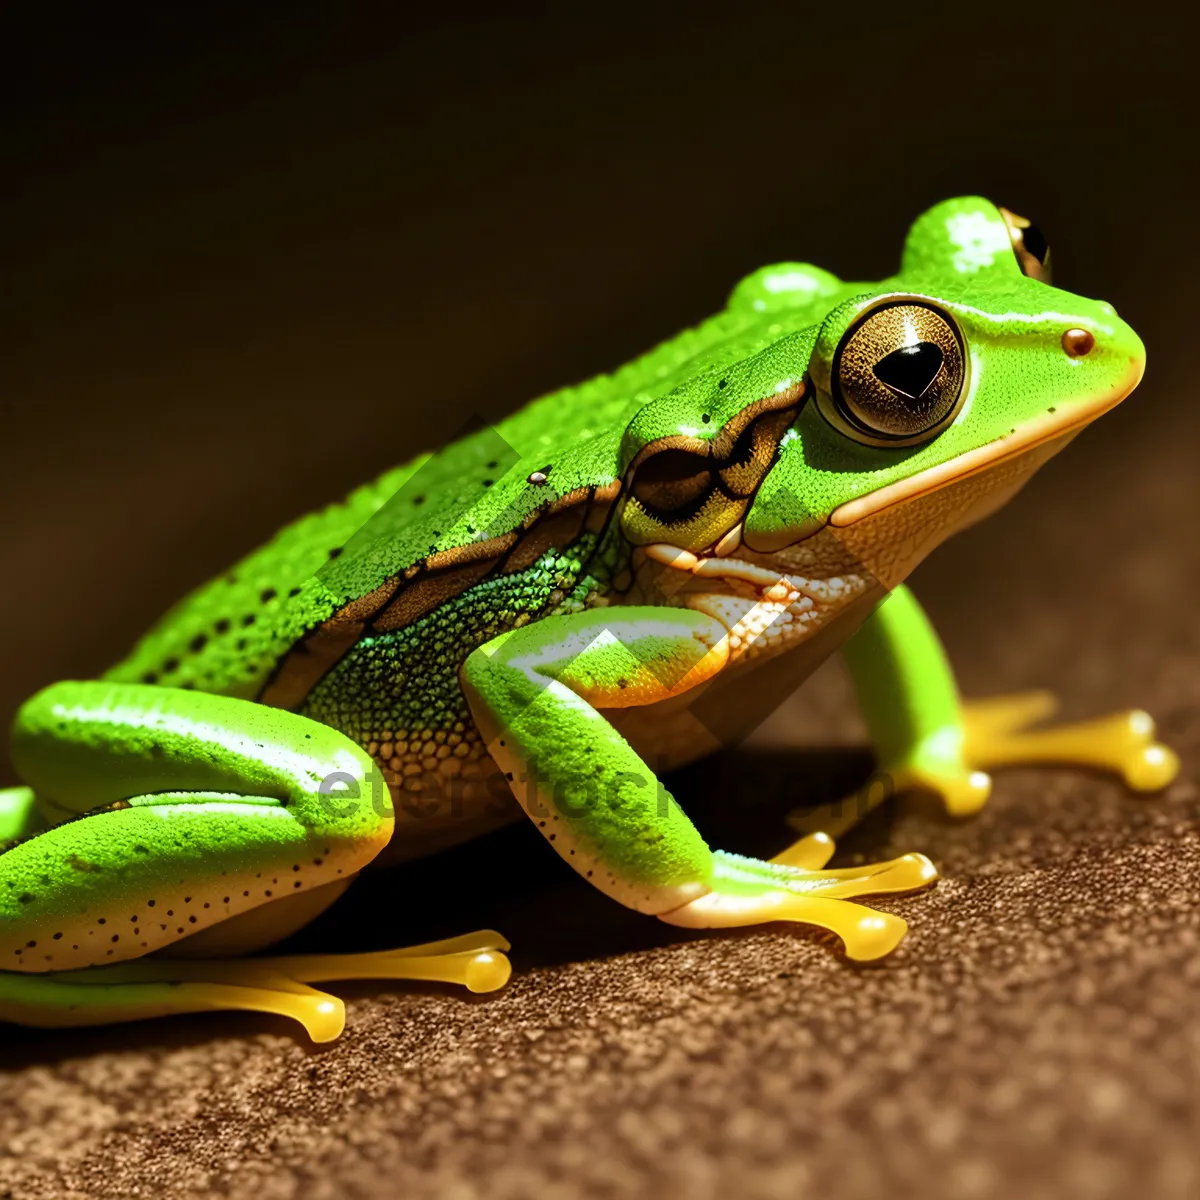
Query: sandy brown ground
{"x": 1037, "y": 1032}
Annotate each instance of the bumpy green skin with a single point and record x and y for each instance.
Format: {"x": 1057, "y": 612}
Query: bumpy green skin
{"x": 206, "y": 781}
{"x": 408, "y": 678}
{"x": 202, "y": 807}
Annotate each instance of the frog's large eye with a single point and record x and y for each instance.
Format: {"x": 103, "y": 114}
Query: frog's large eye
{"x": 1029, "y": 245}
{"x": 899, "y": 373}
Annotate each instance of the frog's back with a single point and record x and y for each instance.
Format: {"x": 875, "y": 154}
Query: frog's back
{"x": 230, "y": 635}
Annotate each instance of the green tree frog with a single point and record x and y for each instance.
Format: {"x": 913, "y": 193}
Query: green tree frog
{"x": 546, "y": 614}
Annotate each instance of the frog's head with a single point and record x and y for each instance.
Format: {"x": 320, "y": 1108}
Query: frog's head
{"x": 887, "y": 416}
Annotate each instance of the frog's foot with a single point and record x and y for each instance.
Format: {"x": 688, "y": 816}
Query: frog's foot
{"x": 996, "y": 733}
{"x": 951, "y": 762}
{"x": 745, "y": 894}
{"x": 153, "y": 987}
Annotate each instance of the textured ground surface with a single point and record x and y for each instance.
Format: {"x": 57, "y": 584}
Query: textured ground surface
{"x": 1038, "y": 1030}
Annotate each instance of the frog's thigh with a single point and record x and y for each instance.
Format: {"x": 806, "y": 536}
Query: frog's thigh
{"x": 203, "y": 808}
{"x": 535, "y": 694}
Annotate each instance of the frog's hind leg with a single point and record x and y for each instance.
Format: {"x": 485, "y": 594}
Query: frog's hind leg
{"x": 195, "y": 812}
{"x": 156, "y": 987}
{"x": 927, "y": 739}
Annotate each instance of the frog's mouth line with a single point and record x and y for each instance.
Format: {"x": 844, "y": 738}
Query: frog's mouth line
{"x": 722, "y": 571}
{"x": 1045, "y": 427}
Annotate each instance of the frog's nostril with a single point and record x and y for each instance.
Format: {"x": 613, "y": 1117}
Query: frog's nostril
{"x": 1078, "y": 342}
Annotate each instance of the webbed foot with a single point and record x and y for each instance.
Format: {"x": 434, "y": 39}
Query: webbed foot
{"x": 1001, "y": 731}
{"x": 996, "y": 732}
{"x": 799, "y": 890}
{"x": 153, "y": 987}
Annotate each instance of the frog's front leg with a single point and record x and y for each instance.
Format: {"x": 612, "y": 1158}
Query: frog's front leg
{"x": 926, "y": 738}
{"x": 535, "y": 693}
{"x": 197, "y": 812}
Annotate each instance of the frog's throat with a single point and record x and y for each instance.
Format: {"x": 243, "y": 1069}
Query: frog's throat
{"x": 1055, "y": 423}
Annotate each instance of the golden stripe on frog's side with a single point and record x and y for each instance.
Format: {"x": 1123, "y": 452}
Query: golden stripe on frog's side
{"x": 419, "y": 590}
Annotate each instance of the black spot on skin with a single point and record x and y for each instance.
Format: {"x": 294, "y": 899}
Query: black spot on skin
{"x": 298, "y": 883}
{"x": 706, "y": 418}
{"x": 24, "y": 898}
{"x": 150, "y": 677}
{"x": 172, "y": 664}
{"x": 249, "y": 619}
{"x": 198, "y": 643}
{"x": 293, "y": 593}
{"x": 296, "y": 867}
{"x": 101, "y": 920}
{"x": 268, "y": 594}
{"x": 30, "y": 945}
{"x": 722, "y": 382}
{"x": 418, "y": 501}
{"x": 488, "y": 482}
{"x": 192, "y": 920}
{"x": 58, "y": 937}
{"x": 116, "y": 937}
{"x": 138, "y": 848}
{"x": 336, "y": 552}
{"x": 492, "y": 465}
{"x": 222, "y": 626}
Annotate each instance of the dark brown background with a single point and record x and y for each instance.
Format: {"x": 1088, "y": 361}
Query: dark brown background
{"x": 252, "y": 259}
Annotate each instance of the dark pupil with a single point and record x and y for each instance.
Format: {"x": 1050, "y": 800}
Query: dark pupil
{"x": 1035, "y": 242}
{"x": 910, "y": 370}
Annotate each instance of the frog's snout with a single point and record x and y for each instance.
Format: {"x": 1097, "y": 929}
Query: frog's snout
{"x": 1118, "y": 345}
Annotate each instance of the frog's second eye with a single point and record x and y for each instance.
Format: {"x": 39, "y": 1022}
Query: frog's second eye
{"x": 1029, "y": 245}
{"x": 898, "y": 373}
